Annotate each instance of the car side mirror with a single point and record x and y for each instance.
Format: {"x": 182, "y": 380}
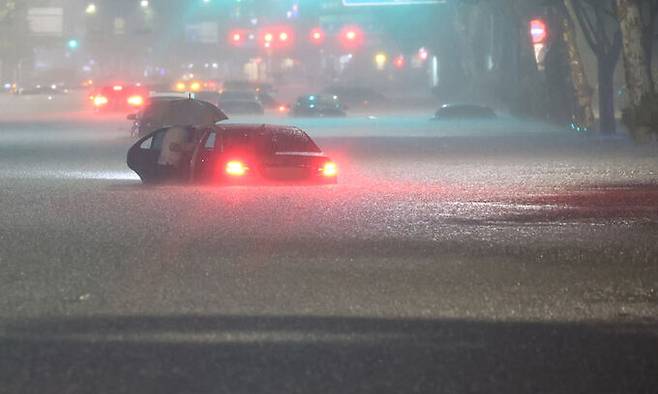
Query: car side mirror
{"x": 132, "y": 117}
{"x": 175, "y": 147}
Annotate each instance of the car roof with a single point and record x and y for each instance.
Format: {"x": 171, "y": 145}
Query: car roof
{"x": 254, "y": 127}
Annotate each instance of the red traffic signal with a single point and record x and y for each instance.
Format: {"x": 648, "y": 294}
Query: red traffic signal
{"x": 276, "y": 37}
{"x": 237, "y": 37}
{"x": 538, "y": 31}
{"x": 316, "y": 36}
{"x": 351, "y": 36}
{"x": 399, "y": 62}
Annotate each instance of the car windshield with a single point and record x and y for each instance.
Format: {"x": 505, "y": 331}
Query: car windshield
{"x": 328, "y": 196}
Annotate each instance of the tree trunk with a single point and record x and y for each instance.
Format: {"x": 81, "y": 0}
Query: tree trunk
{"x": 638, "y": 81}
{"x": 641, "y": 102}
{"x": 607, "y": 122}
{"x": 583, "y": 114}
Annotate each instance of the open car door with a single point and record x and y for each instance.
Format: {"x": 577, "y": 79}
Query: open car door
{"x": 164, "y": 155}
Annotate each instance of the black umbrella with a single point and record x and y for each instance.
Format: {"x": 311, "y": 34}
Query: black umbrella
{"x": 190, "y": 112}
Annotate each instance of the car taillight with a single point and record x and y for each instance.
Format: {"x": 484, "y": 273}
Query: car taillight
{"x": 329, "y": 169}
{"x": 100, "y": 101}
{"x": 195, "y": 86}
{"x": 117, "y": 88}
{"x": 180, "y": 86}
{"x": 136, "y": 101}
{"x": 283, "y": 108}
{"x": 236, "y": 168}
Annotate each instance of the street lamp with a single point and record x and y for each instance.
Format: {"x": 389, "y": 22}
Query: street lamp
{"x": 144, "y": 3}
{"x": 91, "y": 9}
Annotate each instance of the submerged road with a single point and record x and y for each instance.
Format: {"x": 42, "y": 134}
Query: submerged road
{"x": 503, "y": 256}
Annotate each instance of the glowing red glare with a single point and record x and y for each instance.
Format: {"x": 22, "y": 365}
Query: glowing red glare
{"x": 399, "y": 61}
{"x": 317, "y": 36}
{"x": 329, "y": 169}
{"x": 117, "y": 88}
{"x": 236, "y": 168}
{"x": 136, "y": 101}
{"x": 351, "y": 36}
{"x": 268, "y": 37}
{"x": 282, "y": 108}
{"x": 236, "y": 37}
{"x": 422, "y": 54}
{"x": 283, "y": 36}
{"x": 538, "y": 31}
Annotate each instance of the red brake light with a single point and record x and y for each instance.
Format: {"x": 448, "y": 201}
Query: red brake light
{"x": 117, "y": 88}
{"x": 100, "y": 101}
{"x": 136, "y": 101}
{"x": 329, "y": 169}
{"x": 236, "y": 168}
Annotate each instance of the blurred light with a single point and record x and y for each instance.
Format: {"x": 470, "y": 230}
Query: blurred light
{"x": 351, "y": 36}
{"x": 329, "y": 169}
{"x": 538, "y": 31}
{"x": 144, "y": 3}
{"x": 283, "y": 108}
{"x": 180, "y": 86}
{"x": 317, "y": 35}
{"x": 288, "y": 14}
{"x": 268, "y": 37}
{"x": 422, "y": 53}
{"x": 215, "y": 65}
{"x": 91, "y": 9}
{"x": 206, "y": 1}
{"x": 253, "y": 21}
{"x": 7, "y": 86}
{"x": 195, "y": 86}
{"x": 311, "y": 98}
{"x": 236, "y": 168}
{"x": 117, "y": 88}
{"x": 380, "y": 60}
{"x": 399, "y": 61}
{"x": 99, "y": 101}
{"x": 73, "y": 44}
{"x": 136, "y": 101}
{"x": 283, "y": 36}
{"x": 53, "y": 87}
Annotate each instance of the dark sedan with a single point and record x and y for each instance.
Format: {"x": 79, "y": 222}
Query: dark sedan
{"x": 231, "y": 154}
{"x": 318, "y": 106}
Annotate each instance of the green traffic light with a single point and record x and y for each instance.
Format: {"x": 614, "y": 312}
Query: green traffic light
{"x": 73, "y": 44}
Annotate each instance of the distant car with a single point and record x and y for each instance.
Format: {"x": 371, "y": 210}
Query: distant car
{"x": 357, "y": 96}
{"x": 248, "y": 85}
{"x": 464, "y": 111}
{"x": 231, "y": 154}
{"x": 318, "y": 106}
{"x": 48, "y": 90}
{"x": 119, "y": 97}
{"x": 240, "y": 102}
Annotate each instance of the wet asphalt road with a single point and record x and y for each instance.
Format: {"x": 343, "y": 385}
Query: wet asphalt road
{"x": 498, "y": 257}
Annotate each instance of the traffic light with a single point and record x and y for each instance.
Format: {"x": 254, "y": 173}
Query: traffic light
{"x": 316, "y": 36}
{"x": 351, "y": 36}
{"x": 73, "y": 44}
{"x": 399, "y": 62}
{"x": 276, "y": 37}
{"x": 538, "y": 31}
{"x": 237, "y": 37}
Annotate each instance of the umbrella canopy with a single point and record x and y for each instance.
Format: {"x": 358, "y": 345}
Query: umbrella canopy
{"x": 188, "y": 112}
